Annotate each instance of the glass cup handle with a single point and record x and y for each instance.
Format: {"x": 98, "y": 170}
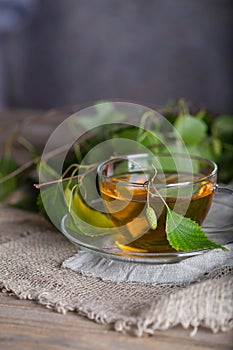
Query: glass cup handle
{"x": 223, "y": 189}
{"x": 227, "y": 228}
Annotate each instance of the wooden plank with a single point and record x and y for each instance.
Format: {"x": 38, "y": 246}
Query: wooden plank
{"x": 27, "y": 325}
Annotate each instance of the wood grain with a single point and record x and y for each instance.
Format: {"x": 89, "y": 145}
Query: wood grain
{"x": 27, "y": 325}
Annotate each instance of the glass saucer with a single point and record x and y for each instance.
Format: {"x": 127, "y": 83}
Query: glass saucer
{"x": 218, "y": 226}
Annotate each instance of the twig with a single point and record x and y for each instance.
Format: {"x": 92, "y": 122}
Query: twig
{"x": 38, "y": 186}
{"x": 31, "y": 162}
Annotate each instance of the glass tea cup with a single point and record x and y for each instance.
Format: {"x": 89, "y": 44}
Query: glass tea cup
{"x": 128, "y": 185}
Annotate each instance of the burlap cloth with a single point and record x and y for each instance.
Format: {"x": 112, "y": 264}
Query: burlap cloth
{"x": 32, "y": 253}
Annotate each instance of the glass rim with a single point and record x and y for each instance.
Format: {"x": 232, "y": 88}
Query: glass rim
{"x": 146, "y": 155}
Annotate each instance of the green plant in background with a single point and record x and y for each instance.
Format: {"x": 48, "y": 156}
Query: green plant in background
{"x": 204, "y": 135}
{"x": 207, "y": 136}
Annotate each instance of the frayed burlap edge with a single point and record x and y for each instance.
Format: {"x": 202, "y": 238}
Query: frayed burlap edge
{"x": 214, "y": 310}
{"x": 208, "y": 303}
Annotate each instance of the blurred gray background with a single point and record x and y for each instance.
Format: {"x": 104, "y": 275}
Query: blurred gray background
{"x": 66, "y": 52}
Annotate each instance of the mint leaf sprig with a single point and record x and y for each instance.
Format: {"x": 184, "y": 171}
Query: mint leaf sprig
{"x": 183, "y": 233}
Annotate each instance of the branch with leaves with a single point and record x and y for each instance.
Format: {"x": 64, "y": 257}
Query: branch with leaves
{"x": 203, "y": 136}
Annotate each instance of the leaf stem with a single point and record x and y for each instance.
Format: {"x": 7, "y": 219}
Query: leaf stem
{"x": 165, "y": 203}
{"x": 25, "y": 143}
{"x": 160, "y": 196}
{"x": 150, "y": 182}
{"x": 183, "y": 106}
{"x": 141, "y": 131}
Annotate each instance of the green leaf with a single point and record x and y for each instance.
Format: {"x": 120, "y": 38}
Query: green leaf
{"x": 202, "y": 114}
{"x": 129, "y": 132}
{"x": 52, "y": 197}
{"x": 29, "y": 146}
{"x": 192, "y": 130}
{"x": 204, "y": 149}
{"x": 7, "y": 165}
{"x": 85, "y": 219}
{"x": 105, "y": 113}
{"x": 76, "y": 224}
{"x": 217, "y": 146}
{"x": 185, "y": 234}
{"x": 47, "y": 173}
{"x": 223, "y": 128}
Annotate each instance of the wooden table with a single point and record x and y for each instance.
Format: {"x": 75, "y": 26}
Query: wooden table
{"x": 25, "y": 325}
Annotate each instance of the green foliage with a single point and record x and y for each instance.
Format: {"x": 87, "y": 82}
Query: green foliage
{"x": 204, "y": 136}
{"x": 84, "y": 219}
{"x": 104, "y": 112}
{"x": 185, "y": 234}
{"x": 7, "y": 165}
{"x": 191, "y": 129}
{"x": 222, "y": 128}
{"x": 51, "y": 195}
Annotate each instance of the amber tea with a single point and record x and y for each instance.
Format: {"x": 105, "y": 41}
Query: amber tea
{"x": 126, "y": 198}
